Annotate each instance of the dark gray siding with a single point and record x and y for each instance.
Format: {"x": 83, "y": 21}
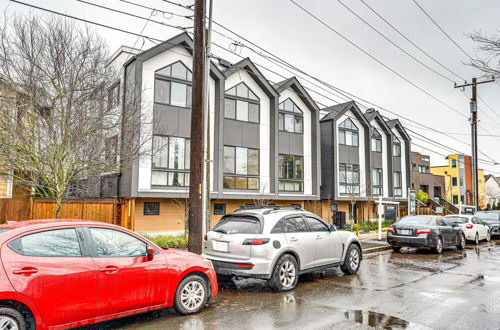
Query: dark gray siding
{"x": 348, "y": 154}
{"x": 327, "y": 160}
{"x": 291, "y": 144}
{"x": 376, "y": 160}
{"x": 241, "y": 134}
{"x": 396, "y": 163}
{"x": 171, "y": 120}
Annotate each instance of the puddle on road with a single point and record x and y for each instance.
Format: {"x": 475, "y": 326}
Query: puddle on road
{"x": 377, "y": 320}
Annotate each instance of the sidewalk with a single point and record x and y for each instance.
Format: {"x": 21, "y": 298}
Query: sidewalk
{"x": 370, "y": 242}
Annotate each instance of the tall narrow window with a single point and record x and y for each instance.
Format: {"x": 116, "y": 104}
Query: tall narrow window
{"x": 398, "y": 184}
{"x": 241, "y": 168}
{"x": 170, "y": 163}
{"x": 376, "y": 141}
{"x": 378, "y": 186}
{"x": 242, "y": 104}
{"x": 290, "y": 117}
{"x": 349, "y": 179}
{"x": 291, "y": 173}
{"x": 396, "y": 147}
{"x": 348, "y": 133}
{"x": 173, "y": 85}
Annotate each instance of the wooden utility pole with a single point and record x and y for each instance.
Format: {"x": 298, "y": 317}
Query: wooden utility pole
{"x": 473, "y": 123}
{"x": 195, "y": 219}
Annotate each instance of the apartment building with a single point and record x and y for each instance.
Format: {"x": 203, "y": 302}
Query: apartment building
{"x": 363, "y": 157}
{"x": 423, "y": 179}
{"x": 458, "y": 180}
{"x": 264, "y": 138}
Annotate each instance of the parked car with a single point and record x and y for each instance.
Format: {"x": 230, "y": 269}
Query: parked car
{"x": 474, "y": 228}
{"x": 492, "y": 218}
{"x": 67, "y": 273}
{"x": 425, "y": 231}
{"x": 278, "y": 245}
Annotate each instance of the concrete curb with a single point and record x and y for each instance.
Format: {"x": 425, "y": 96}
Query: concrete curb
{"x": 376, "y": 249}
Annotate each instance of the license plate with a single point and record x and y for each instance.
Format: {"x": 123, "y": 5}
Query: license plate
{"x": 220, "y": 246}
{"x": 404, "y": 232}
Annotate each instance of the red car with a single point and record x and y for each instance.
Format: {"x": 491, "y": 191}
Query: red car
{"x": 58, "y": 274}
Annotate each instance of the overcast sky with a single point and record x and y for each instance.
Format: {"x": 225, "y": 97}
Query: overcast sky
{"x": 283, "y": 29}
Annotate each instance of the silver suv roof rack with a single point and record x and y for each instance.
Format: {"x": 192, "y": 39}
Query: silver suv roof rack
{"x": 269, "y": 207}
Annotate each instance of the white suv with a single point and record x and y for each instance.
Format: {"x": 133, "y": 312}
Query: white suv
{"x": 278, "y": 245}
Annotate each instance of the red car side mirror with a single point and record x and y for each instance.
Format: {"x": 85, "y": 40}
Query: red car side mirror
{"x": 150, "y": 252}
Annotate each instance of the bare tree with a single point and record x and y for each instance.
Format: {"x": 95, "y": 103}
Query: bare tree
{"x": 63, "y": 129}
{"x": 489, "y": 45}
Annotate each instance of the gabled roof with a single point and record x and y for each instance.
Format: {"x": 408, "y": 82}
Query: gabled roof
{"x": 294, "y": 84}
{"x": 395, "y": 123}
{"x": 183, "y": 40}
{"x": 247, "y": 65}
{"x": 372, "y": 114}
{"x": 335, "y": 111}
{"x": 496, "y": 178}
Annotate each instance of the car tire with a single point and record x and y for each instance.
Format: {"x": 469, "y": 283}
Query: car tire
{"x": 476, "y": 239}
{"x": 352, "y": 260}
{"x": 191, "y": 295}
{"x": 488, "y": 236}
{"x": 8, "y": 314}
{"x": 461, "y": 244}
{"x": 439, "y": 245}
{"x": 285, "y": 274}
{"x": 396, "y": 248}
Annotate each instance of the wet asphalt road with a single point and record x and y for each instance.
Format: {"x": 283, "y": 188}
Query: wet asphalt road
{"x": 415, "y": 289}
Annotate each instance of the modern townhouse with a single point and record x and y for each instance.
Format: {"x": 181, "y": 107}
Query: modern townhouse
{"x": 423, "y": 179}
{"x": 363, "y": 157}
{"x": 264, "y": 139}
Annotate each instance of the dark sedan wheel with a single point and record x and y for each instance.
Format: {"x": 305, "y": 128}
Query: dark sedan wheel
{"x": 11, "y": 319}
{"x": 191, "y": 295}
{"x": 352, "y": 260}
{"x": 396, "y": 248}
{"x": 461, "y": 243}
{"x": 439, "y": 245}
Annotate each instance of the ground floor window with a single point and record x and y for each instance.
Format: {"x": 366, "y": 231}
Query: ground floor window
{"x": 291, "y": 173}
{"x": 151, "y": 208}
{"x": 349, "y": 178}
{"x": 378, "y": 187}
{"x": 455, "y": 199}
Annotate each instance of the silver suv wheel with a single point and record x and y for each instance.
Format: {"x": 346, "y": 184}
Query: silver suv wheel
{"x": 287, "y": 274}
{"x": 354, "y": 259}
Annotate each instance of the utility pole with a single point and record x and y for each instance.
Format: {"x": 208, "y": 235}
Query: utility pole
{"x": 195, "y": 219}
{"x": 473, "y": 123}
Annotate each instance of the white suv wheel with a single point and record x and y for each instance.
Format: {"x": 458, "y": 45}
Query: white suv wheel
{"x": 287, "y": 274}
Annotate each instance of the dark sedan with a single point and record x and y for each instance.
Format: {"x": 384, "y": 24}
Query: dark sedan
{"x": 425, "y": 231}
{"x": 492, "y": 219}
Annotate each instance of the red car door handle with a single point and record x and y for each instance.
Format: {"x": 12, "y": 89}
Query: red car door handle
{"x": 109, "y": 269}
{"x": 27, "y": 271}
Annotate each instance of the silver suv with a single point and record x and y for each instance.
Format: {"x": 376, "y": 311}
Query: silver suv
{"x": 278, "y": 245}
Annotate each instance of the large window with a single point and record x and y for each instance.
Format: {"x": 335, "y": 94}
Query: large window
{"x": 114, "y": 95}
{"x": 348, "y": 133}
{"x": 241, "y": 168}
{"x": 291, "y": 173}
{"x": 423, "y": 169}
{"x": 454, "y": 181}
{"x": 170, "y": 161}
{"x": 378, "y": 186}
{"x": 349, "y": 179}
{"x": 290, "y": 117}
{"x": 242, "y": 104}
{"x": 396, "y": 147}
{"x": 453, "y": 163}
{"x": 173, "y": 85}
{"x": 376, "y": 141}
{"x": 398, "y": 184}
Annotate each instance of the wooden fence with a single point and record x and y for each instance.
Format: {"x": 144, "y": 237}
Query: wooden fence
{"x": 105, "y": 210}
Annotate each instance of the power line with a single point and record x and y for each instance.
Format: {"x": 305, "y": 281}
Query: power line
{"x": 376, "y": 59}
{"x": 442, "y": 30}
{"x": 410, "y": 41}
{"x": 392, "y": 42}
{"x": 132, "y": 33}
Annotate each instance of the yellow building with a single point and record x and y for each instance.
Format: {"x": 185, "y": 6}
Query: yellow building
{"x": 458, "y": 180}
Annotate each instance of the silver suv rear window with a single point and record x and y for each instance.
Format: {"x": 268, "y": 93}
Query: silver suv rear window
{"x": 232, "y": 224}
